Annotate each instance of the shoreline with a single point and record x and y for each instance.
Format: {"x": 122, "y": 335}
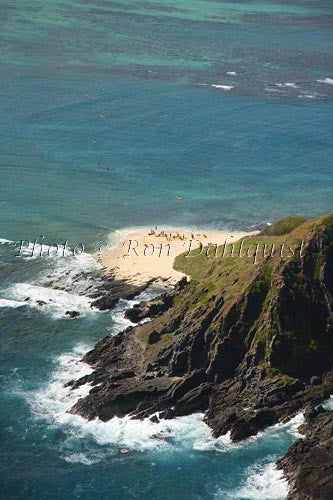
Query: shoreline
{"x": 141, "y": 254}
{"x": 159, "y": 367}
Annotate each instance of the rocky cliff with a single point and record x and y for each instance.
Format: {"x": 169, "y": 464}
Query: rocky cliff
{"x": 248, "y": 340}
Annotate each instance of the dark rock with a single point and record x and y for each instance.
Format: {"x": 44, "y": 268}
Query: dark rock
{"x": 135, "y": 314}
{"x": 154, "y": 337}
{"x": 70, "y": 383}
{"x": 167, "y": 414}
{"x": 128, "y": 397}
{"x": 72, "y": 314}
{"x": 112, "y": 290}
{"x": 193, "y": 400}
{"x": 41, "y": 302}
{"x": 181, "y": 284}
{"x": 149, "y": 309}
{"x": 124, "y": 374}
{"x": 315, "y": 380}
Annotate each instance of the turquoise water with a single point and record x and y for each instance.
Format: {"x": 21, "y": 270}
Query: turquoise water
{"x": 131, "y": 85}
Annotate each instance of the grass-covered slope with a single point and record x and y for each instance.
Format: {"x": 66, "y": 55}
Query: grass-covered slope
{"x": 298, "y": 286}
{"x": 284, "y": 226}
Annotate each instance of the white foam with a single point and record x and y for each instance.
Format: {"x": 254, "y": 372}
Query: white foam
{"x": 10, "y": 303}
{"x": 74, "y": 458}
{"x": 308, "y": 96}
{"x": 118, "y": 318}
{"x": 63, "y": 267}
{"x": 61, "y": 286}
{"x": 291, "y": 427}
{"x": 84, "y": 262}
{"x": 326, "y": 80}
{"x": 270, "y": 89}
{"x": 233, "y": 73}
{"x": 64, "y": 285}
{"x": 189, "y": 432}
{"x": 4, "y": 241}
{"x": 328, "y": 404}
{"x": 57, "y": 302}
{"x": 54, "y": 400}
{"x": 223, "y": 87}
{"x": 264, "y": 482}
{"x": 71, "y": 274}
{"x": 287, "y": 84}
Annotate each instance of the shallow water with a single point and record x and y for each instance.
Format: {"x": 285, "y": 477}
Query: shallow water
{"x": 227, "y": 104}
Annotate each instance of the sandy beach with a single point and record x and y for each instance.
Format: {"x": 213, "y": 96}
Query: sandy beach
{"x": 141, "y": 254}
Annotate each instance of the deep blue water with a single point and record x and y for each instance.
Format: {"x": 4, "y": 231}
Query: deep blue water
{"x": 131, "y": 85}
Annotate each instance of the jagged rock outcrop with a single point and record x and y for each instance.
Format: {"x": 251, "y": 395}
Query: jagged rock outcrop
{"x": 112, "y": 290}
{"x": 149, "y": 309}
{"x": 249, "y": 344}
{"x": 308, "y": 464}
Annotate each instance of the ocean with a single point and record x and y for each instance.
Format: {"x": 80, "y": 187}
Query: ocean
{"x": 225, "y": 104}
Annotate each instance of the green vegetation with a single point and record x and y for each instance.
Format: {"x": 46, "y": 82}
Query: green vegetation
{"x": 258, "y": 314}
{"x": 206, "y": 292}
{"x": 284, "y": 226}
{"x": 328, "y": 221}
{"x": 275, "y": 373}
